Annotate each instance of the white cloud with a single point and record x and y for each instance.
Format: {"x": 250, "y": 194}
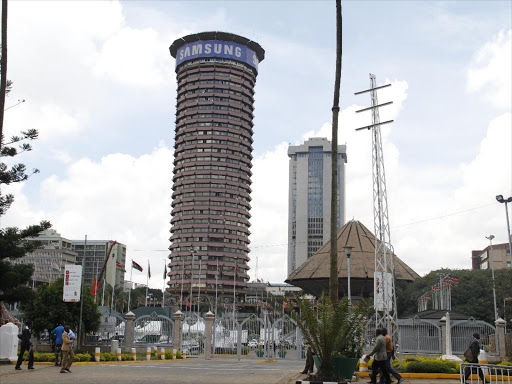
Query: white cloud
{"x": 490, "y": 71}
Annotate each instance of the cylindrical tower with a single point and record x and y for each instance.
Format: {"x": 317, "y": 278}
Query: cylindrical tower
{"x": 216, "y": 74}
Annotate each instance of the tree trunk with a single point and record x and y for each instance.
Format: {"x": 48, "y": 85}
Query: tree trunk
{"x": 333, "y": 278}
{"x": 3, "y": 69}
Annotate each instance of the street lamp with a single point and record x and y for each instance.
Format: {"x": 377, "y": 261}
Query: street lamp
{"x": 348, "y": 253}
{"x": 500, "y": 199}
{"x": 192, "y": 253}
{"x": 491, "y": 262}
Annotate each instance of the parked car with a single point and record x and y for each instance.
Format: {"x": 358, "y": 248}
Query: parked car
{"x": 148, "y": 339}
{"x": 252, "y": 343}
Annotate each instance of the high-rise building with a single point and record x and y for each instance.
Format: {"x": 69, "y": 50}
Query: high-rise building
{"x": 93, "y": 257}
{"x": 49, "y": 258}
{"x": 309, "y": 202}
{"x": 216, "y": 74}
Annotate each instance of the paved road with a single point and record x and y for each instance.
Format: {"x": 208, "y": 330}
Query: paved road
{"x": 195, "y": 371}
{"x": 173, "y": 372}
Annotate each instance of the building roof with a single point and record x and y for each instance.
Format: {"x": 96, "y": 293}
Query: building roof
{"x": 145, "y": 311}
{"x": 217, "y": 35}
{"x": 313, "y": 275}
{"x": 437, "y": 315}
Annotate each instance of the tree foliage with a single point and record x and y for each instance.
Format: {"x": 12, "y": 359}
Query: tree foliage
{"x": 332, "y": 331}
{"x": 46, "y": 310}
{"x": 472, "y": 296}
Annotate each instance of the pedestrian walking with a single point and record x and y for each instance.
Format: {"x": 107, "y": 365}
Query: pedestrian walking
{"x": 309, "y": 361}
{"x": 67, "y": 351}
{"x": 379, "y": 362}
{"x": 471, "y": 355}
{"x": 390, "y": 350}
{"x": 26, "y": 345}
{"x": 58, "y": 331}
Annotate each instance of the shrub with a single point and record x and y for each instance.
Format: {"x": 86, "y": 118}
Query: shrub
{"x": 108, "y": 356}
{"x": 431, "y": 366}
{"x": 82, "y": 357}
{"x": 168, "y": 354}
{"x": 126, "y": 356}
{"x": 178, "y": 355}
{"x": 507, "y": 363}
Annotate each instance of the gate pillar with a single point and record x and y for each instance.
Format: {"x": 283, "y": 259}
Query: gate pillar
{"x": 500, "y": 337}
{"x": 128, "y": 331}
{"x": 443, "y": 334}
{"x": 178, "y": 327}
{"x": 209, "y": 319}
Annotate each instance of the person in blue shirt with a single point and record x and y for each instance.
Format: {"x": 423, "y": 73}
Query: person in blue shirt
{"x": 58, "y": 343}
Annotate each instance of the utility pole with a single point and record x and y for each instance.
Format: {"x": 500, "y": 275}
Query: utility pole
{"x": 384, "y": 282}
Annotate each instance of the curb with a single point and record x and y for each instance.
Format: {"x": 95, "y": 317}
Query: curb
{"x": 106, "y": 362}
{"x": 266, "y": 361}
{"x": 315, "y": 382}
{"x": 451, "y": 376}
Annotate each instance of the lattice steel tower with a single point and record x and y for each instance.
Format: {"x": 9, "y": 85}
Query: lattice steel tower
{"x": 384, "y": 278}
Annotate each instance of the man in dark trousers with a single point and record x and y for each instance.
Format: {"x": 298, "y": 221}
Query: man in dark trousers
{"x": 26, "y": 345}
{"x": 390, "y": 350}
{"x": 379, "y": 362}
{"x": 474, "y": 347}
{"x": 58, "y": 331}
{"x": 309, "y": 361}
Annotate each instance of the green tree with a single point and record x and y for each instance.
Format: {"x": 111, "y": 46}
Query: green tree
{"x": 47, "y": 309}
{"x": 472, "y": 296}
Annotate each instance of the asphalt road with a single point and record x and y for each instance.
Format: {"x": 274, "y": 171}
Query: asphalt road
{"x": 194, "y": 371}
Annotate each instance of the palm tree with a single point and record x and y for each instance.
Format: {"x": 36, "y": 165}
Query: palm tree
{"x": 333, "y": 278}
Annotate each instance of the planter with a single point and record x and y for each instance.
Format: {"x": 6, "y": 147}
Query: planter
{"x": 343, "y": 367}
{"x": 281, "y": 354}
{"x": 259, "y": 353}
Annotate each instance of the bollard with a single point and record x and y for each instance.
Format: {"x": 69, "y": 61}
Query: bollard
{"x": 97, "y": 354}
{"x": 148, "y": 353}
{"x": 483, "y": 359}
{"x": 118, "y": 354}
{"x": 363, "y": 364}
{"x": 162, "y": 353}
{"x": 134, "y": 354}
{"x": 174, "y": 350}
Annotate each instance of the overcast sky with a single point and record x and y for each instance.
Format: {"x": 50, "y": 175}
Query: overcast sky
{"x": 100, "y": 87}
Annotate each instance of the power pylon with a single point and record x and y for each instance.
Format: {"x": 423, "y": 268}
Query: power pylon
{"x": 384, "y": 277}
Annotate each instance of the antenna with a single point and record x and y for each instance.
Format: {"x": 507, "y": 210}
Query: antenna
{"x": 384, "y": 277}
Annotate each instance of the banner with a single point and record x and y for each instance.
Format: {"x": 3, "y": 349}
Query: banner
{"x": 72, "y": 283}
{"x": 382, "y": 291}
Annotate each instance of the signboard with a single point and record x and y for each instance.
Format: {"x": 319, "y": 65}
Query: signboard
{"x": 382, "y": 290}
{"x": 217, "y": 48}
{"x": 72, "y": 283}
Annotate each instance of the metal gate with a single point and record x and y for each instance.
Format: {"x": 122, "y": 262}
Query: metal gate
{"x": 225, "y": 335}
{"x": 286, "y": 336}
{"x": 252, "y": 337}
{"x": 419, "y": 336}
{"x": 153, "y": 330}
{"x": 193, "y": 335}
{"x": 462, "y": 335}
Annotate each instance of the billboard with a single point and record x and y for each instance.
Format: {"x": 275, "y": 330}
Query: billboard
{"x": 382, "y": 291}
{"x": 217, "y": 48}
{"x": 72, "y": 283}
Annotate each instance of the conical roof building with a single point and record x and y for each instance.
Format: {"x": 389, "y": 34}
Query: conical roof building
{"x": 313, "y": 275}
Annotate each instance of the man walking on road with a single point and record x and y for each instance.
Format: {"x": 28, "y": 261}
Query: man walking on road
{"x": 390, "y": 350}
{"x": 67, "y": 351}
{"x": 379, "y": 362}
{"x": 471, "y": 356}
{"x": 58, "y": 331}
{"x": 26, "y": 345}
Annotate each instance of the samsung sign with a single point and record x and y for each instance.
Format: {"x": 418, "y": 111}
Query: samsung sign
{"x": 216, "y": 48}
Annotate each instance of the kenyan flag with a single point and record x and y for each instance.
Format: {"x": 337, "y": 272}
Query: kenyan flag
{"x": 120, "y": 267}
{"x": 136, "y": 266}
{"x": 453, "y": 282}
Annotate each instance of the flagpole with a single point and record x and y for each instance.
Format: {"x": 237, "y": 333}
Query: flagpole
{"x": 147, "y": 284}
{"x": 131, "y": 286}
{"x": 165, "y": 277}
{"x": 182, "y": 276}
{"x": 234, "y": 292}
{"x": 192, "y": 252}
{"x": 216, "y": 284}
{"x": 199, "y": 289}
{"x": 103, "y": 294}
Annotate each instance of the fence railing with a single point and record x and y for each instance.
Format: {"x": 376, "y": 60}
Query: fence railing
{"x": 485, "y": 373}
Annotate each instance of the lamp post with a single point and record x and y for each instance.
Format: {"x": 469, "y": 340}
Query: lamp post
{"x": 491, "y": 262}
{"x": 348, "y": 253}
{"x": 500, "y": 199}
